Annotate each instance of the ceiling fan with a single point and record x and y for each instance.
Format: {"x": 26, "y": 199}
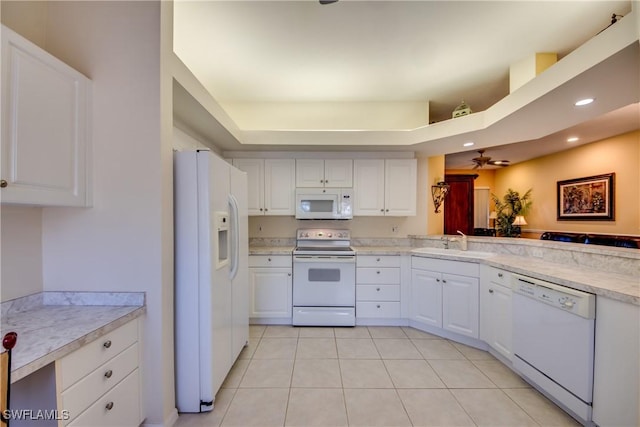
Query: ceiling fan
{"x": 483, "y": 160}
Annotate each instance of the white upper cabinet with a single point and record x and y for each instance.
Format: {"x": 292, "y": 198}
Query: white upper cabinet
{"x": 45, "y": 127}
{"x": 400, "y": 184}
{"x": 279, "y": 186}
{"x": 331, "y": 173}
{"x": 271, "y": 185}
{"x": 255, "y": 181}
{"x": 385, "y": 187}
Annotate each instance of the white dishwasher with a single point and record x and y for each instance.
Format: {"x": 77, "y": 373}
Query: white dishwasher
{"x": 553, "y": 342}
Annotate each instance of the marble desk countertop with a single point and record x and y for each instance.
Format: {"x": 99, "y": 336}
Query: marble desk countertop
{"x": 51, "y": 325}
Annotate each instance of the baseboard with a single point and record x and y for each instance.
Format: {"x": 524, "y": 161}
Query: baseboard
{"x": 168, "y": 422}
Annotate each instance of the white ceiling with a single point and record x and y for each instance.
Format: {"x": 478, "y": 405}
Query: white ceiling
{"x": 386, "y": 51}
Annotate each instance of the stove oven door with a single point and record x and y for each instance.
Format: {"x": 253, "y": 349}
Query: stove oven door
{"x": 324, "y": 281}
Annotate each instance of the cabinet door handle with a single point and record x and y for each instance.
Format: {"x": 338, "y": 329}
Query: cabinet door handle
{"x": 107, "y": 344}
{"x": 437, "y": 280}
{"x": 265, "y": 209}
{"x": 490, "y": 291}
{"x": 108, "y": 373}
{"x": 260, "y": 209}
{"x": 378, "y": 306}
{"x": 109, "y": 406}
{"x": 289, "y": 274}
{"x": 381, "y": 210}
{"x": 387, "y": 210}
{"x": 3, "y": 183}
{"x": 444, "y": 281}
{"x": 377, "y": 259}
{"x": 378, "y": 289}
{"x": 269, "y": 259}
{"x": 499, "y": 274}
{"x": 378, "y": 272}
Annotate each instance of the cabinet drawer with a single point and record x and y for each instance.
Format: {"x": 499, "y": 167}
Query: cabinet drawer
{"x": 82, "y": 394}
{"x": 500, "y": 277}
{"x": 378, "y": 293}
{"x": 378, "y": 309}
{"x": 377, "y": 261}
{"x": 374, "y": 276}
{"x": 446, "y": 266}
{"x": 270, "y": 261}
{"x": 86, "y": 359}
{"x": 124, "y": 402}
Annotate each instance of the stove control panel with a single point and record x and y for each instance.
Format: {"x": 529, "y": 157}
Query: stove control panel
{"x": 323, "y": 234}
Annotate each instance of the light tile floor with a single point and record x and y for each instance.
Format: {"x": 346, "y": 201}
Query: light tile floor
{"x": 371, "y": 376}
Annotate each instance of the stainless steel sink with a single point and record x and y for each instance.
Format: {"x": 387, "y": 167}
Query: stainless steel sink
{"x": 452, "y": 252}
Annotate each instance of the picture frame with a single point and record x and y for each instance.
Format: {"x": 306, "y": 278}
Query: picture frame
{"x": 590, "y": 198}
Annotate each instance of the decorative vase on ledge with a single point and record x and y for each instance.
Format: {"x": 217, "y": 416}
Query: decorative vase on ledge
{"x": 507, "y": 209}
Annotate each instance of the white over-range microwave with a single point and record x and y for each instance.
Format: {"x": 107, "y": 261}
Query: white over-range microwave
{"x": 324, "y": 203}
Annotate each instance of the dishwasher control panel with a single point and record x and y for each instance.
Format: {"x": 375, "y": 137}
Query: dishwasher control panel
{"x": 577, "y": 302}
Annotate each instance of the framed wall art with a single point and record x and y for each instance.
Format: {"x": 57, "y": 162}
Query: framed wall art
{"x": 590, "y": 198}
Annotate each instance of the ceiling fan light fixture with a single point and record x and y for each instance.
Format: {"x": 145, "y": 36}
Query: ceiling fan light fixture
{"x": 468, "y": 144}
{"x": 585, "y": 101}
{"x": 572, "y": 139}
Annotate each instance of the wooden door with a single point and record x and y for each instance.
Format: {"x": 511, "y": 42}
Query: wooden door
{"x": 458, "y": 206}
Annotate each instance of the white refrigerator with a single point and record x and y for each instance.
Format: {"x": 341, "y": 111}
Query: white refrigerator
{"x": 211, "y": 275}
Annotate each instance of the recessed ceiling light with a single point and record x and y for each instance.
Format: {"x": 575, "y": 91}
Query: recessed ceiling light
{"x": 468, "y": 144}
{"x": 585, "y": 101}
{"x": 573, "y": 139}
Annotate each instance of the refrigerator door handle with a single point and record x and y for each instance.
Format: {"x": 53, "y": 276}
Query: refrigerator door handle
{"x": 235, "y": 230}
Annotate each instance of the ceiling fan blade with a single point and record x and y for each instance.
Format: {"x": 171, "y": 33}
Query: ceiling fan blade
{"x": 327, "y": 1}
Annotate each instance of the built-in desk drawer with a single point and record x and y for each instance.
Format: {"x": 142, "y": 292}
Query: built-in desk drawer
{"x": 118, "y": 407}
{"x": 82, "y": 394}
{"x": 89, "y": 357}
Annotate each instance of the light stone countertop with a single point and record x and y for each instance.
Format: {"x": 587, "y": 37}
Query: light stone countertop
{"x": 270, "y": 250}
{"x": 617, "y": 286}
{"x": 51, "y": 325}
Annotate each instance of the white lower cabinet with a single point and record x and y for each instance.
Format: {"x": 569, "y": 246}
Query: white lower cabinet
{"x": 377, "y": 287}
{"x": 99, "y": 384}
{"x": 616, "y": 377}
{"x": 495, "y": 310}
{"x": 270, "y": 284}
{"x": 444, "y": 294}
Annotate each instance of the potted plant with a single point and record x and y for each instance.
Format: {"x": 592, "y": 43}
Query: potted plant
{"x": 511, "y": 205}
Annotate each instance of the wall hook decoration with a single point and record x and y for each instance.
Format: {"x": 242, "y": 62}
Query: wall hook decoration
{"x": 438, "y": 193}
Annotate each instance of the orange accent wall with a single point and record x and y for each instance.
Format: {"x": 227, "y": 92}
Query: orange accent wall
{"x": 619, "y": 154}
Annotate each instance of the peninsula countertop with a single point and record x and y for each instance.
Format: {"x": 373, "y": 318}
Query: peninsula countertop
{"x": 51, "y": 325}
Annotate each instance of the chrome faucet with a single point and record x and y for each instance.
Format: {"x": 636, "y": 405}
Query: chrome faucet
{"x": 445, "y": 241}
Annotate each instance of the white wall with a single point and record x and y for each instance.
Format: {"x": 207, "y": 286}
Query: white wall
{"x": 125, "y": 241}
{"x": 21, "y": 252}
